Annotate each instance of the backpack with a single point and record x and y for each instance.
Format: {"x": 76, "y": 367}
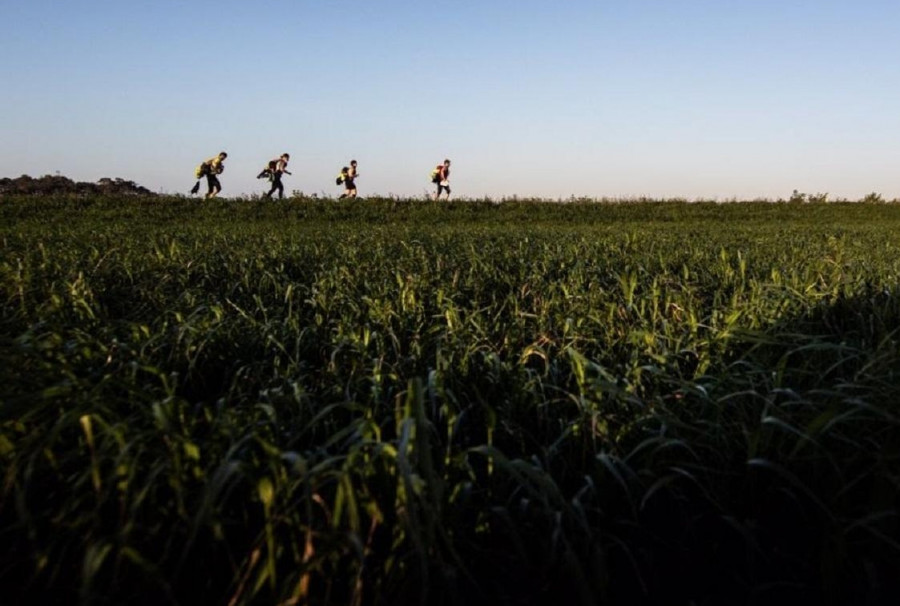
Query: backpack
{"x": 201, "y": 170}
{"x": 436, "y": 173}
{"x": 339, "y": 180}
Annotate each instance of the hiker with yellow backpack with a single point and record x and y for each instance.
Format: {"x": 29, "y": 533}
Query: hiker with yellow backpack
{"x": 211, "y": 169}
{"x": 347, "y": 176}
{"x": 273, "y": 171}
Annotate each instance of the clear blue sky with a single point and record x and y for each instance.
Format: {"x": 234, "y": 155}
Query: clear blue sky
{"x": 662, "y": 98}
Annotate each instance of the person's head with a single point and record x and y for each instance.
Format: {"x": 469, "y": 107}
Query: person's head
{"x": 353, "y": 163}
{"x": 222, "y": 155}
{"x": 345, "y": 169}
{"x": 446, "y": 162}
{"x": 285, "y": 156}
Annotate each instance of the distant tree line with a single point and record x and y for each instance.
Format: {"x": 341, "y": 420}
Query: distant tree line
{"x": 55, "y": 184}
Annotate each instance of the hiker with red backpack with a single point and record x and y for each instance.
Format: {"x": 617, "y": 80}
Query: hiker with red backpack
{"x": 440, "y": 176}
{"x": 273, "y": 171}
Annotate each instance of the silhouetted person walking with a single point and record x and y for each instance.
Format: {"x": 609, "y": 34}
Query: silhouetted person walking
{"x": 349, "y": 175}
{"x": 273, "y": 171}
{"x": 211, "y": 169}
{"x": 440, "y": 176}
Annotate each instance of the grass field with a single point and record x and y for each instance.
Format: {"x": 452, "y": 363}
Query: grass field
{"x": 391, "y": 401}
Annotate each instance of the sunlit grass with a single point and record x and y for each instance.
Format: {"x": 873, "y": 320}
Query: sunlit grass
{"x": 395, "y": 401}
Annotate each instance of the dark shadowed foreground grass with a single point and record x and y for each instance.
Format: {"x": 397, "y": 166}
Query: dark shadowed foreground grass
{"x": 405, "y": 402}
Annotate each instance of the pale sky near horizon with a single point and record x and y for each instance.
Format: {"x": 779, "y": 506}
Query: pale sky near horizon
{"x": 659, "y": 98}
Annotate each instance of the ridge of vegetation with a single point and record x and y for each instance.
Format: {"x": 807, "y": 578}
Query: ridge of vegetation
{"x": 49, "y": 185}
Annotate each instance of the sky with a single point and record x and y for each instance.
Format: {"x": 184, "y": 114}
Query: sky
{"x": 696, "y": 99}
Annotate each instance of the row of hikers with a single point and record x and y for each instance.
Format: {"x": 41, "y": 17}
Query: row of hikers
{"x": 275, "y": 168}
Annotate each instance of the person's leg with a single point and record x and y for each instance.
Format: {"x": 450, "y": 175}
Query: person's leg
{"x": 211, "y": 185}
{"x": 276, "y": 184}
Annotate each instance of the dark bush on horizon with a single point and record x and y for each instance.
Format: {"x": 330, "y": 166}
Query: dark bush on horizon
{"x": 56, "y": 184}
